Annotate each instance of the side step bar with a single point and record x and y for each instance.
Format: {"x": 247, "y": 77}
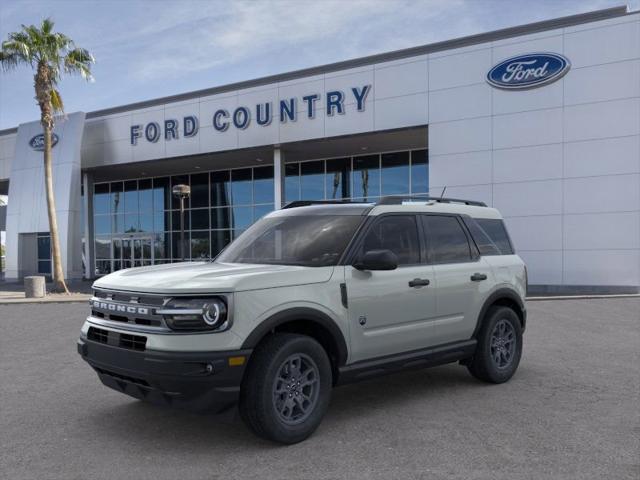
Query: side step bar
{"x": 427, "y": 357}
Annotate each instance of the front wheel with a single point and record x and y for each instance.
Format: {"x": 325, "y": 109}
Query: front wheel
{"x": 499, "y": 346}
{"x": 287, "y": 388}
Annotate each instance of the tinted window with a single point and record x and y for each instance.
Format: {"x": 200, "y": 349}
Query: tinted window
{"x": 396, "y": 233}
{"x": 484, "y": 243}
{"x": 494, "y": 227}
{"x": 447, "y": 241}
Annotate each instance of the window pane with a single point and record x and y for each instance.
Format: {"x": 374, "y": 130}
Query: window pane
{"x": 497, "y": 232}
{"x": 338, "y": 184}
{"x": 220, "y": 218}
{"x": 420, "y": 171}
{"x": 241, "y": 187}
{"x": 175, "y": 220}
{"x": 44, "y": 267}
{"x": 117, "y": 197}
{"x": 366, "y": 177}
{"x": 160, "y": 245}
{"x": 131, "y": 196}
{"x": 179, "y": 180}
{"x": 395, "y": 173}
{"x": 103, "y": 247}
{"x": 117, "y": 249}
{"x": 482, "y": 240}
{"x": 103, "y": 267}
{"x": 102, "y": 224}
{"x": 398, "y": 234}
{"x": 161, "y": 222}
{"x": 131, "y": 222}
{"x": 447, "y": 240}
{"x": 242, "y": 217}
{"x": 200, "y": 219}
{"x": 312, "y": 180}
{"x": 145, "y": 195}
{"x": 220, "y": 189}
{"x": 199, "y": 245}
{"x": 175, "y": 246}
{"x": 101, "y": 198}
{"x": 292, "y": 182}
{"x": 263, "y": 185}
{"x": 161, "y": 194}
{"x": 200, "y": 190}
{"x": 117, "y": 223}
{"x": 260, "y": 211}
{"x": 146, "y": 222}
{"x": 219, "y": 240}
{"x": 44, "y": 247}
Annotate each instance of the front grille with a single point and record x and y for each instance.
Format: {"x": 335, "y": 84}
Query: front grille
{"x": 122, "y": 340}
{"x": 126, "y": 378}
{"x": 128, "y": 308}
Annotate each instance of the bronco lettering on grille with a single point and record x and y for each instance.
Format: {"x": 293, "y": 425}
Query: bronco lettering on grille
{"x": 118, "y": 307}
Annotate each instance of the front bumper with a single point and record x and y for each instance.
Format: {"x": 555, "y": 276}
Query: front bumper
{"x": 197, "y": 381}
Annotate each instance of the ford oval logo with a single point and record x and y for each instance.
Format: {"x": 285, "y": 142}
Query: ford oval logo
{"x": 37, "y": 142}
{"x": 528, "y": 71}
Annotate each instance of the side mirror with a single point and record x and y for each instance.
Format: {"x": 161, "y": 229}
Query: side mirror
{"x": 377, "y": 260}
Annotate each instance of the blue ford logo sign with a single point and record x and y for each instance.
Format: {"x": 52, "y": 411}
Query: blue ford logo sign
{"x": 528, "y": 71}
{"x": 37, "y": 142}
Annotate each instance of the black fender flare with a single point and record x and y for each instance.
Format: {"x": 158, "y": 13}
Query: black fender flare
{"x": 305, "y": 314}
{"x": 501, "y": 293}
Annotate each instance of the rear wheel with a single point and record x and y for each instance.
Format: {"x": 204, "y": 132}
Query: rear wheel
{"x": 287, "y": 388}
{"x": 499, "y": 346}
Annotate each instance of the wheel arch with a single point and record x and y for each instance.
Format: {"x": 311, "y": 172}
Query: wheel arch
{"x": 506, "y": 297}
{"x": 306, "y": 321}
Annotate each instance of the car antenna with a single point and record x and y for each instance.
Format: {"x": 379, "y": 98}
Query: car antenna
{"x": 442, "y": 194}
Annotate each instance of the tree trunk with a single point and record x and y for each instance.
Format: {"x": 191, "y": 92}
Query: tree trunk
{"x": 59, "y": 284}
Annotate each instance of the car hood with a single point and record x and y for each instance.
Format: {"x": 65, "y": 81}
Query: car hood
{"x": 207, "y": 277}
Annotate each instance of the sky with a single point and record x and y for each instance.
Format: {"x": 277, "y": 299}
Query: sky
{"x": 150, "y": 49}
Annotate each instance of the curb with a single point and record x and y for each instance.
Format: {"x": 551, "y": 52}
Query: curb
{"x": 581, "y": 297}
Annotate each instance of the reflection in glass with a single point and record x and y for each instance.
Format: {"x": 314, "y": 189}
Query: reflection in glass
{"x": 44, "y": 267}
{"x": 200, "y": 190}
{"x": 101, "y": 198}
{"x": 161, "y": 194}
{"x": 220, "y": 218}
{"x": 220, "y": 189}
{"x": 145, "y": 195}
{"x": 337, "y": 179}
{"x": 366, "y": 177}
{"x": 175, "y": 220}
{"x": 200, "y": 219}
{"x": 241, "y": 186}
{"x": 200, "y": 245}
{"x": 242, "y": 217}
{"x": 312, "y": 180}
{"x": 117, "y": 248}
{"x": 102, "y": 224}
{"x": 146, "y": 222}
{"x": 263, "y": 185}
{"x": 161, "y": 221}
{"x": 292, "y": 182}
{"x": 395, "y": 173}
{"x": 219, "y": 240}
{"x": 260, "y": 211}
{"x": 131, "y": 203}
{"x": 420, "y": 171}
{"x": 131, "y": 223}
{"x": 117, "y": 223}
{"x": 44, "y": 247}
{"x": 179, "y": 180}
{"x": 103, "y": 247}
{"x": 160, "y": 242}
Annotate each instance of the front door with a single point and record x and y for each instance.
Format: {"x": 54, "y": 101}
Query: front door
{"x": 391, "y": 311}
{"x": 132, "y": 251}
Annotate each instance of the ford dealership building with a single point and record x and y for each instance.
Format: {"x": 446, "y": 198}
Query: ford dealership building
{"x": 541, "y": 121}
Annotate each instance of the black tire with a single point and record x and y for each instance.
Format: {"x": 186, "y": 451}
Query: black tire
{"x": 272, "y": 361}
{"x": 494, "y": 361}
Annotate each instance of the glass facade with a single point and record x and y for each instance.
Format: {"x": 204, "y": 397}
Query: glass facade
{"x": 137, "y": 222}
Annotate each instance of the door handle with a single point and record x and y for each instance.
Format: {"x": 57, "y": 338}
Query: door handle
{"x": 419, "y": 282}
{"x": 478, "y": 277}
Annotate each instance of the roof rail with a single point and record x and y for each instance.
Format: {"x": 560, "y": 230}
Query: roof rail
{"x": 306, "y": 203}
{"x": 398, "y": 199}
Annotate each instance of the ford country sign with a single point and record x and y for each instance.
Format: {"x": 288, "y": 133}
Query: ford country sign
{"x": 37, "y": 142}
{"x": 528, "y": 71}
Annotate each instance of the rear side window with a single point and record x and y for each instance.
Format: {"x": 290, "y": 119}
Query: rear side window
{"x": 397, "y": 233}
{"x": 495, "y": 229}
{"x": 484, "y": 243}
{"x": 446, "y": 240}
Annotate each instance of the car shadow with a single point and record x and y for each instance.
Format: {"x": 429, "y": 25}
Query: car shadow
{"x": 165, "y": 427}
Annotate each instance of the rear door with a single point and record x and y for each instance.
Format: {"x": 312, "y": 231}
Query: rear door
{"x": 391, "y": 311}
{"x": 462, "y": 277}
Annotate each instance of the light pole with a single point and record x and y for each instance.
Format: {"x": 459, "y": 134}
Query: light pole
{"x": 182, "y": 192}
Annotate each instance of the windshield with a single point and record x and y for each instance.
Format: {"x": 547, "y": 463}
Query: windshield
{"x": 310, "y": 241}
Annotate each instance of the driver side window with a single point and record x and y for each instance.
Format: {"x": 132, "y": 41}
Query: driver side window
{"x": 398, "y": 233}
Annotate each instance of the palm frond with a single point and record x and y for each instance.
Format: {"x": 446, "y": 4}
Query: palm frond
{"x": 56, "y": 101}
{"x": 79, "y": 61}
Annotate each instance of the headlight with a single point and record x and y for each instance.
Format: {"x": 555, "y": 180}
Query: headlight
{"x": 196, "y": 314}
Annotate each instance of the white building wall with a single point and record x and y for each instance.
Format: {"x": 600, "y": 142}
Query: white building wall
{"x": 562, "y": 162}
{"x": 7, "y": 152}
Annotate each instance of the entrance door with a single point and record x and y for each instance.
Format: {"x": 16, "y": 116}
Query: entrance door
{"x": 132, "y": 251}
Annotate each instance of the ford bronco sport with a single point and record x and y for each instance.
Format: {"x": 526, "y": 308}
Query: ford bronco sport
{"x": 312, "y": 296}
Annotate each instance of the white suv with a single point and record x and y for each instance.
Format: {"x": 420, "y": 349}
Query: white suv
{"x": 311, "y": 296}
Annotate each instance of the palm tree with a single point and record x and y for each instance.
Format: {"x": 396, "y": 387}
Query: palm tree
{"x": 50, "y": 55}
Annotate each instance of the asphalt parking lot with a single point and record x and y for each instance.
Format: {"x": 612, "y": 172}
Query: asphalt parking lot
{"x": 571, "y": 412}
